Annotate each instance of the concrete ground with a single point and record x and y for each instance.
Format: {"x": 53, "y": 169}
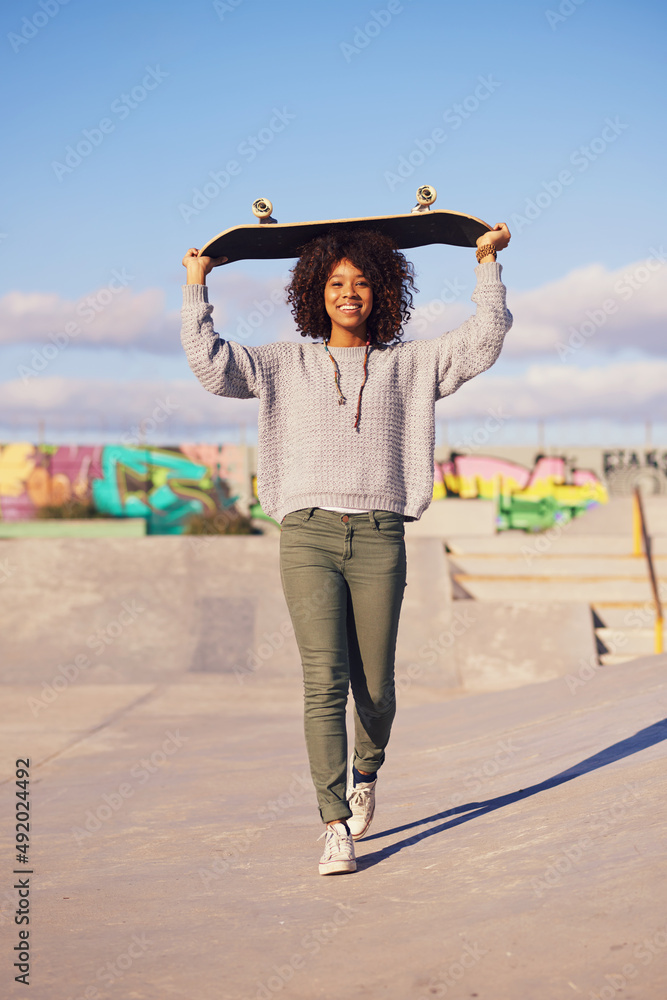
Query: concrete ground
{"x": 517, "y": 851}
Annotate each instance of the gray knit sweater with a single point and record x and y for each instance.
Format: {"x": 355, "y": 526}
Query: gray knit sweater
{"x": 309, "y": 453}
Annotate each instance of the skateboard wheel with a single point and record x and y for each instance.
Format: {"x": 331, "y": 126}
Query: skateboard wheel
{"x": 426, "y": 194}
{"x": 262, "y": 208}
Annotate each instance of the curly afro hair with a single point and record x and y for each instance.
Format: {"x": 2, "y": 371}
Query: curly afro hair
{"x": 390, "y": 275}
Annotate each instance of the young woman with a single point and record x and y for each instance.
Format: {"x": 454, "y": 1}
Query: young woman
{"x": 346, "y": 440}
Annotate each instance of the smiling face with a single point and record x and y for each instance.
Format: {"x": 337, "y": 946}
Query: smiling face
{"x": 348, "y": 299}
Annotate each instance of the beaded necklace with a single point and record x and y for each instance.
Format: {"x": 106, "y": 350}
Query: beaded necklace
{"x": 341, "y": 397}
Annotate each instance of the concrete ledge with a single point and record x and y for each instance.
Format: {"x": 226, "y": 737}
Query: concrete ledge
{"x": 146, "y": 610}
{"x": 512, "y": 643}
{"x": 555, "y": 542}
{"x": 615, "y": 517}
{"x": 452, "y": 516}
{"x": 545, "y": 567}
{"x": 526, "y": 588}
{"x": 94, "y": 527}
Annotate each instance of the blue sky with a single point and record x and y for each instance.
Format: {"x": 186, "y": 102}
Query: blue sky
{"x": 549, "y": 116}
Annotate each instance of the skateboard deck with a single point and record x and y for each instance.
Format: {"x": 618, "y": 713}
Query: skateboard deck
{"x": 273, "y": 240}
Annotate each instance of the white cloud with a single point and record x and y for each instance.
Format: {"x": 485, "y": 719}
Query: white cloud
{"x": 246, "y": 309}
{"x": 604, "y": 310}
{"x": 627, "y": 390}
{"x": 65, "y": 403}
{"x": 121, "y": 319}
{"x": 620, "y": 391}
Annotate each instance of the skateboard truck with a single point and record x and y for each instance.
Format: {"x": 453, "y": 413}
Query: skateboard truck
{"x": 426, "y": 195}
{"x": 421, "y": 227}
{"x": 262, "y": 208}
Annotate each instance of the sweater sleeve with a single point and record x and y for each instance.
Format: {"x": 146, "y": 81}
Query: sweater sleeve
{"x": 222, "y": 366}
{"x": 475, "y": 345}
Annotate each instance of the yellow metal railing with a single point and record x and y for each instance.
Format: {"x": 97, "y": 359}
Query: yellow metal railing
{"x": 641, "y": 540}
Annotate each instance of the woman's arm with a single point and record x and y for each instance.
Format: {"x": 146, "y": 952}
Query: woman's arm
{"x": 198, "y": 267}
{"x": 496, "y": 239}
{"x": 475, "y": 345}
{"x": 223, "y": 367}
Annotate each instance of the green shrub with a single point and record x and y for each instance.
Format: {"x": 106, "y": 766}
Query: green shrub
{"x": 71, "y": 509}
{"x": 219, "y": 522}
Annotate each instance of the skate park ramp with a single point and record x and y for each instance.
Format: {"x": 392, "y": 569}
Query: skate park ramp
{"x": 119, "y": 610}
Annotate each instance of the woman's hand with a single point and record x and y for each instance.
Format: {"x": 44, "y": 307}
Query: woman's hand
{"x": 498, "y": 237}
{"x": 198, "y": 267}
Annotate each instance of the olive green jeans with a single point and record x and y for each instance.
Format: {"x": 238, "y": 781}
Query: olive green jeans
{"x": 343, "y": 577}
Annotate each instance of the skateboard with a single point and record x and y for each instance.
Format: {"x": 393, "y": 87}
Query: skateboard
{"x": 271, "y": 240}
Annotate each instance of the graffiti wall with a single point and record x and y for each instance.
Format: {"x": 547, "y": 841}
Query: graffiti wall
{"x": 167, "y": 485}
{"x": 626, "y": 468}
{"x": 529, "y": 498}
{"x": 163, "y": 485}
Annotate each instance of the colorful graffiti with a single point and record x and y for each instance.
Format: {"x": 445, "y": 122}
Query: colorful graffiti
{"x": 532, "y": 499}
{"x": 168, "y": 485}
{"x": 163, "y": 485}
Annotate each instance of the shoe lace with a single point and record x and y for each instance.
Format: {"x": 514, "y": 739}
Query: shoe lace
{"x": 359, "y": 796}
{"x": 332, "y": 833}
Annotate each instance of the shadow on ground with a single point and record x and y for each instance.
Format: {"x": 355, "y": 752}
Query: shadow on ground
{"x": 641, "y": 740}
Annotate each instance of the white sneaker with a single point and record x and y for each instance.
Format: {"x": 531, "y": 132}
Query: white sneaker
{"x": 338, "y": 857}
{"x": 361, "y": 800}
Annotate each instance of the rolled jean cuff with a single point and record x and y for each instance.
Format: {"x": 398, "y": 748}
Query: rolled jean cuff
{"x": 371, "y": 767}
{"x": 332, "y": 812}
